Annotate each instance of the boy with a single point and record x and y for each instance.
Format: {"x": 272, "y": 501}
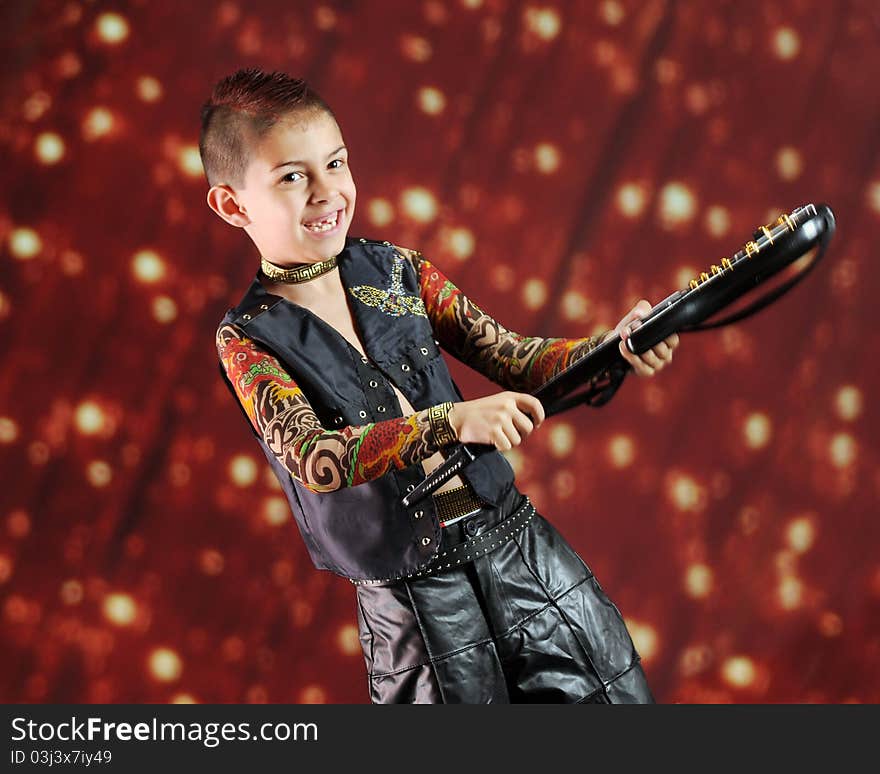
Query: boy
{"x": 469, "y": 596}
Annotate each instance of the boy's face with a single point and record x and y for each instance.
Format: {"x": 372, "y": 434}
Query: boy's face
{"x": 287, "y": 204}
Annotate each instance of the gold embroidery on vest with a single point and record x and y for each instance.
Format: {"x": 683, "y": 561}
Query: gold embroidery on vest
{"x": 393, "y": 301}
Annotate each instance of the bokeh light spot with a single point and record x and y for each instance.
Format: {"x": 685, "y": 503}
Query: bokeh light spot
{"x": 830, "y": 624}
{"x": 149, "y": 89}
{"x": 99, "y": 121}
{"x": 8, "y": 430}
{"x": 644, "y": 637}
{"x": 789, "y": 163}
{"x": 431, "y": 100}
{"x": 71, "y": 592}
{"x": 348, "y": 641}
{"x": 276, "y": 511}
{"x": 313, "y": 694}
{"x": 460, "y": 242}
{"x": 561, "y": 439}
{"x": 165, "y": 665}
{"x": 211, "y": 562}
{"x": 842, "y": 450}
{"x": 99, "y": 473}
{"x": 738, "y": 671}
{"x": 621, "y": 450}
{"x": 698, "y": 580}
{"x": 873, "y": 196}
{"x": 89, "y": 418}
{"x": 546, "y": 157}
{"x": 757, "y": 430}
{"x": 112, "y": 28}
{"x": 848, "y": 402}
{"x": 534, "y": 293}
{"x": 242, "y": 470}
{"x": 717, "y": 221}
{"x": 147, "y": 266}
{"x": 786, "y": 43}
{"x": 790, "y": 592}
{"x": 24, "y": 243}
{"x": 120, "y": 609}
{"x": 380, "y": 211}
{"x": 574, "y": 305}
{"x": 18, "y": 523}
{"x": 415, "y": 48}
{"x": 631, "y": 199}
{"x": 611, "y": 12}
{"x": 49, "y": 148}
{"x": 419, "y": 204}
{"x": 190, "y": 162}
{"x": 800, "y": 534}
{"x": 543, "y": 22}
{"x": 684, "y": 492}
{"x": 678, "y": 205}
{"x": 164, "y": 309}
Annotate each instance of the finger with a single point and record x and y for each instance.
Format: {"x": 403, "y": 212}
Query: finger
{"x": 522, "y": 423}
{"x": 672, "y": 341}
{"x": 500, "y": 440}
{"x": 637, "y": 312}
{"x": 531, "y": 406}
{"x": 638, "y": 365}
{"x": 641, "y": 308}
{"x": 649, "y": 358}
{"x": 662, "y": 351}
{"x": 511, "y": 432}
{"x": 629, "y": 317}
{"x": 643, "y": 369}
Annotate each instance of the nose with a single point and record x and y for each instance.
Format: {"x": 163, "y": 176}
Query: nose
{"x": 323, "y": 188}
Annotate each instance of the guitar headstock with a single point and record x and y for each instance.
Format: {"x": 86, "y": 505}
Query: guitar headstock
{"x": 763, "y": 237}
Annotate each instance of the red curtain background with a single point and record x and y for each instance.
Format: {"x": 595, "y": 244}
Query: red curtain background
{"x": 559, "y": 161}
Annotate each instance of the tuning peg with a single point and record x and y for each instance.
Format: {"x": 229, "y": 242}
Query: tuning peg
{"x": 693, "y": 284}
{"x": 786, "y": 220}
{"x": 715, "y": 269}
{"x": 703, "y": 276}
{"x": 750, "y": 248}
{"x": 725, "y": 262}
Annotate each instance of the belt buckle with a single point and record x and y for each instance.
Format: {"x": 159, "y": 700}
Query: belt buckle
{"x": 457, "y": 519}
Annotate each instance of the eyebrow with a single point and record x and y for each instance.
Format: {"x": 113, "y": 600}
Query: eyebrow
{"x": 294, "y": 163}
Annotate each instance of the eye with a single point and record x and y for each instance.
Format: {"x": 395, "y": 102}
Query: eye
{"x": 339, "y": 162}
{"x": 285, "y": 180}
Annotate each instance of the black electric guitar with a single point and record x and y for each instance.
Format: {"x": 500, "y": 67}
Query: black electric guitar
{"x": 597, "y": 375}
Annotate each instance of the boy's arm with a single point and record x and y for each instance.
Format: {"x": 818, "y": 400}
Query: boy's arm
{"x": 516, "y": 362}
{"x": 323, "y": 460}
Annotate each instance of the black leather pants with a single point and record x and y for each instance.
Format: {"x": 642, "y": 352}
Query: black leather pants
{"x": 527, "y": 622}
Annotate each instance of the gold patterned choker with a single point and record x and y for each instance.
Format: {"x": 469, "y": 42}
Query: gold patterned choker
{"x": 302, "y": 273}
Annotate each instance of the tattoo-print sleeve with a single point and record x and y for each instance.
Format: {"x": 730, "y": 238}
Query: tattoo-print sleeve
{"x": 323, "y": 460}
{"x": 516, "y": 362}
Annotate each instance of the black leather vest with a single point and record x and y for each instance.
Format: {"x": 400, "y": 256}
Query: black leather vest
{"x": 363, "y": 531}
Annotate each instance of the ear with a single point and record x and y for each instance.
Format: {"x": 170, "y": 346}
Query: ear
{"x": 224, "y": 201}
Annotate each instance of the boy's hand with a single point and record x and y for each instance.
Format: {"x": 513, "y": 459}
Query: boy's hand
{"x": 652, "y": 360}
{"x": 497, "y": 420}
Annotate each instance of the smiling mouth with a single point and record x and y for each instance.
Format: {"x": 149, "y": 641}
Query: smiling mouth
{"x": 323, "y": 224}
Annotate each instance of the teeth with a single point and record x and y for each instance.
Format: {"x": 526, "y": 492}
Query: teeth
{"x": 324, "y": 225}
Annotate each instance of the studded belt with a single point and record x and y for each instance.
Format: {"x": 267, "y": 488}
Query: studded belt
{"x": 470, "y": 549}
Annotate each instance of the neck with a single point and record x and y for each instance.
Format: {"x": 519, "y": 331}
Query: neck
{"x": 325, "y": 286}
